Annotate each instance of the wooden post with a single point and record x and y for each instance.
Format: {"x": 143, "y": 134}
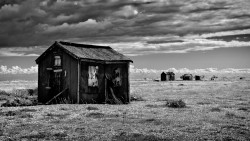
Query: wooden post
{"x": 128, "y": 95}
{"x": 105, "y": 88}
{"x": 56, "y": 96}
{"x": 78, "y": 81}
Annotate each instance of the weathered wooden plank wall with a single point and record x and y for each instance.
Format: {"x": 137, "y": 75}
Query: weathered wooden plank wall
{"x": 68, "y": 76}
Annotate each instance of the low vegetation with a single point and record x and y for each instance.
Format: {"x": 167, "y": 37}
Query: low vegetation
{"x": 216, "y": 110}
{"x": 92, "y": 108}
{"x": 136, "y": 98}
{"x": 175, "y": 103}
{"x": 21, "y": 97}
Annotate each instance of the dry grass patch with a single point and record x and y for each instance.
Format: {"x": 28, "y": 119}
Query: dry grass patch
{"x": 243, "y": 108}
{"x": 25, "y": 115}
{"x": 91, "y": 108}
{"x": 15, "y": 102}
{"x": 18, "y": 113}
{"x": 19, "y": 97}
{"x": 215, "y": 109}
{"x": 175, "y": 103}
{"x": 10, "y": 113}
{"x": 64, "y": 109}
{"x": 35, "y": 136}
{"x": 151, "y": 120}
{"x": 204, "y": 103}
{"x": 43, "y": 135}
{"x": 137, "y": 137}
{"x": 60, "y": 116}
{"x": 153, "y": 106}
{"x": 95, "y": 115}
{"x": 136, "y": 98}
{"x": 231, "y": 115}
{"x": 28, "y": 110}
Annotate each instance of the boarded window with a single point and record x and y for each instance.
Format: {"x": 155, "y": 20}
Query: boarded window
{"x": 117, "y": 77}
{"x": 92, "y": 80}
{"x": 57, "y": 61}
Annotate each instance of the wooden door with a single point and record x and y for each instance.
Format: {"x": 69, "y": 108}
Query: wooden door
{"x": 56, "y": 83}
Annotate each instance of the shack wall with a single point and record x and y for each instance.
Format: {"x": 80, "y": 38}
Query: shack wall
{"x": 122, "y": 92}
{"x": 91, "y": 94}
{"x": 43, "y": 78}
{"x": 68, "y": 75}
{"x": 97, "y": 94}
{"x": 69, "y": 67}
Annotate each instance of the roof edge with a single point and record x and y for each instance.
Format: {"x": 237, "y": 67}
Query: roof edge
{"x": 44, "y": 53}
{"x": 82, "y": 45}
{"x": 88, "y": 59}
{"x": 61, "y": 43}
{"x": 55, "y": 44}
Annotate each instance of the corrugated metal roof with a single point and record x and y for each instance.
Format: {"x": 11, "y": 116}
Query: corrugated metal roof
{"x": 84, "y": 51}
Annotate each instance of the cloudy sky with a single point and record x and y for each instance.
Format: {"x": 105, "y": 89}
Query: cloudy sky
{"x": 156, "y": 34}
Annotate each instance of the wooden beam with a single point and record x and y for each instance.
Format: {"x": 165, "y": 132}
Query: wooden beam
{"x": 78, "y": 81}
{"x": 56, "y": 96}
{"x": 104, "y": 61}
{"x": 128, "y": 94}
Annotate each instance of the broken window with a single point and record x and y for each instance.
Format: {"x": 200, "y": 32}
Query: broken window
{"x": 57, "y": 61}
{"x": 117, "y": 77}
{"x": 92, "y": 80}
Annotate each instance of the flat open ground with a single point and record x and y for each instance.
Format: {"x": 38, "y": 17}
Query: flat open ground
{"x": 216, "y": 110}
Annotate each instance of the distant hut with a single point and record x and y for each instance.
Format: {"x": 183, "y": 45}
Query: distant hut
{"x": 214, "y": 77}
{"x": 199, "y": 77}
{"x": 82, "y": 74}
{"x": 170, "y": 76}
{"x": 163, "y": 76}
{"x": 187, "y": 77}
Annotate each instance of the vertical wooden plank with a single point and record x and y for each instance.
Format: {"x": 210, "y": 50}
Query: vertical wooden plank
{"x": 105, "y": 84}
{"x": 128, "y": 89}
{"x": 39, "y": 83}
{"x": 78, "y": 80}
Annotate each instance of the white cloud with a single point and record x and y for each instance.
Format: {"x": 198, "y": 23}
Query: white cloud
{"x": 224, "y": 33}
{"x": 144, "y": 48}
{"x": 81, "y": 28}
{"x": 127, "y": 12}
{"x": 18, "y": 70}
{"x": 186, "y": 70}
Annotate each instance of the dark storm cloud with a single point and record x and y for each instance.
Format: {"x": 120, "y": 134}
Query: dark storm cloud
{"x": 10, "y": 2}
{"x": 228, "y": 38}
{"x": 160, "y": 41}
{"x": 37, "y": 23}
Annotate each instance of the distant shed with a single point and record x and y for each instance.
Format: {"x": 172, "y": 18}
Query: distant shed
{"x": 163, "y": 76}
{"x": 83, "y": 74}
{"x": 187, "y": 77}
{"x": 199, "y": 77}
{"x": 170, "y": 76}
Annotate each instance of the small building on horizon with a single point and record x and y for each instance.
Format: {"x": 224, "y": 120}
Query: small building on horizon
{"x": 170, "y": 76}
{"x": 187, "y": 77}
{"x": 82, "y": 73}
{"x": 199, "y": 77}
{"x": 163, "y": 76}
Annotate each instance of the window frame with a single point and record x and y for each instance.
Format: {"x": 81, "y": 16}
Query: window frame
{"x": 57, "y": 60}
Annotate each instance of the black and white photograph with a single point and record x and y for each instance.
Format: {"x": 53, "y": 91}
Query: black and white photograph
{"x": 125, "y": 70}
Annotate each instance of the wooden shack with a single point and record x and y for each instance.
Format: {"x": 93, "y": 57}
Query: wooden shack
{"x": 163, "y": 76}
{"x": 199, "y": 77}
{"x": 187, "y": 77}
{"x": 81, "y": 73}
{"x": 170, "y": 76}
